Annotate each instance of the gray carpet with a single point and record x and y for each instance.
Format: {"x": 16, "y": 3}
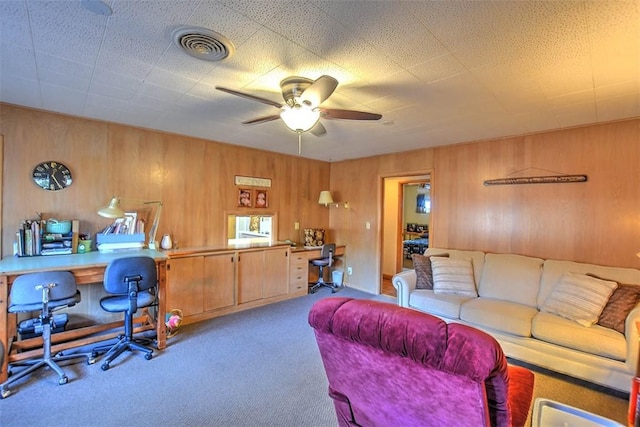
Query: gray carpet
{"x": 260, "y": 367}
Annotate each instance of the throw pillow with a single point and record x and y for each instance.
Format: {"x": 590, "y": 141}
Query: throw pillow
{"x": 579, "y": 297}
{"x": 622, "y": 301}
{"x": 424, "y": 274}
{"x": 453, "y": 276}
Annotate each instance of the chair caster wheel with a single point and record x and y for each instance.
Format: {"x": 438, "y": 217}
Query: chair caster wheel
{"x": 5, "y": 393}
{"x": 63, "y": 380}
{"x": 148, "y": 356}
{"x": 105, "y": 367}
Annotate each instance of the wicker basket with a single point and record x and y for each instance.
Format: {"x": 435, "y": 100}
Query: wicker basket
{"x": 58, "y": 227}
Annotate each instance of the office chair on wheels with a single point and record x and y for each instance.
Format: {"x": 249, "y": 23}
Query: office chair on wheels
{"x": 131, "y": 283}
{"x": 325, "y": 260}
{"x": 46, "y": 292}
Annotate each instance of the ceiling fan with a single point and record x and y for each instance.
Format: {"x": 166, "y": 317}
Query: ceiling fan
{"x": 301, "y": 109}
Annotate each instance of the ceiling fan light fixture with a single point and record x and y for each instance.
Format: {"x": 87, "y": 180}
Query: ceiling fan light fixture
{"x": 299, "y": 118}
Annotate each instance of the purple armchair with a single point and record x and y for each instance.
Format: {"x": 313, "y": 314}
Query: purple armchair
{"x": 393, "y": 366}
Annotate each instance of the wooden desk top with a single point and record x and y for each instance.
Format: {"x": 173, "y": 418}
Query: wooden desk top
{"x": 21, "y": 265}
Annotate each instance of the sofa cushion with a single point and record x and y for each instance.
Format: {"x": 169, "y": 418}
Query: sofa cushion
{"x": 424, "y": 274}
{"x": 596, "y": 340}
{"x": 579, "y": 297}
{"x": 453, "y": 276}
{"x": 510, "y": 277}
{"x": 476, "y": 256}
{"x": 554, "y": 269}
{"x": 444, "y": 305}
{"x": 622, "y": 301}
{"x": 499, "y": 315}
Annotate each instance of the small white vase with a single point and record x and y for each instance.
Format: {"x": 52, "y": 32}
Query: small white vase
{"x": 166, "y": 242}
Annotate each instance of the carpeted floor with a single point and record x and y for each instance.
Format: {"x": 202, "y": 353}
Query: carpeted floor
{"x": 260, "y": 367}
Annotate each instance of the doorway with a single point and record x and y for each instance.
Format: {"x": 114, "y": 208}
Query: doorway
{"x": 406, "y": 219}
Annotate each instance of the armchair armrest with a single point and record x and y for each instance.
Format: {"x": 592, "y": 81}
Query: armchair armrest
{"x": 631, "y": 334}
{"x": 404, "y": 283}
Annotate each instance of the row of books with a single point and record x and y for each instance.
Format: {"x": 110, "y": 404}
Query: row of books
{"x": 123, "y": 234}
{"x": 129, "y": 224}
{"x": 32, "y": 240}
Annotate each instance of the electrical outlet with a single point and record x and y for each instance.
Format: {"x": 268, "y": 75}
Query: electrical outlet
{"x": 367, "y": 225}
{"x": 349, "y": 271}
{"x": 296, "y": 226}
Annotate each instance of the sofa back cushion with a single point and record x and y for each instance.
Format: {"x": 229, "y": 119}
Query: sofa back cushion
{"x": 477, "y": 259}
{"x": 553, "y": 270}
{"x": 511, "y": 277}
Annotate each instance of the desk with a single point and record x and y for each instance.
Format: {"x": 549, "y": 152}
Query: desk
{"x": 299, "y": 273}
{"x": 86, "y": 268}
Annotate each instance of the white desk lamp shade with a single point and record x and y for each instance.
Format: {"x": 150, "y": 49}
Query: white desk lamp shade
{"x": 325, "y": 198}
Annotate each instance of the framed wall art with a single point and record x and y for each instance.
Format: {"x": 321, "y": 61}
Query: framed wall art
{"x": 244, "y": 198}
{"x": 262, "y": 200}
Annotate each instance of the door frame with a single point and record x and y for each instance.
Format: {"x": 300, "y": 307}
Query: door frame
{"x": 387, "y": 201}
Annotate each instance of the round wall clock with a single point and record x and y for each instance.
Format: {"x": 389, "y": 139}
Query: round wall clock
{"x": 52, "y": 176}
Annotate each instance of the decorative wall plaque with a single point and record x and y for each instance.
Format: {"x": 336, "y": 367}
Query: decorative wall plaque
{"x": 553, "y": 179}
{"x": 252, "y": 181}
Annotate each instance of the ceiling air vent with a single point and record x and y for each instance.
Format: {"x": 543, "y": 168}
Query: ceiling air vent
{"x": 203, "y": 44}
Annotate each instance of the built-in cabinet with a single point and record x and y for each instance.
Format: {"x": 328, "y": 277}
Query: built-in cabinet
{"x": 263, "y": 274}
{"x": 201, "y": 283}
{"x": 205, "y": 283}
{"x": 298, "y": 272}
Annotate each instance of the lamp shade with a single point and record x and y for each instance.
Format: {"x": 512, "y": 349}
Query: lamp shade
{"x": 325, "y": 198}
{"x": 299, "y": 118}
{"x": 112, "y": 210}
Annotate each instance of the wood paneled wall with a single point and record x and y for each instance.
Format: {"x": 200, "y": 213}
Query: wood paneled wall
{"x": 596, "y": 222}
{"x": 194, "y": 178}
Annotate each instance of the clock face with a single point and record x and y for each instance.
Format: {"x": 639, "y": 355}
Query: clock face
{"x": 52, "y": 176}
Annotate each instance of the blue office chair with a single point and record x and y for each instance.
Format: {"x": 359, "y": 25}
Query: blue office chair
{"x": 326, "y": 260}
{"x": 46, "y": 292}
{"x": 131, "y": 283}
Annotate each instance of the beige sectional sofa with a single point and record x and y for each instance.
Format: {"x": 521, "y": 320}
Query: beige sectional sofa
{"x": 512, "y": 290}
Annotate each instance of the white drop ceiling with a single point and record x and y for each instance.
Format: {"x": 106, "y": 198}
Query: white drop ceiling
{"x": 440, "y": 72}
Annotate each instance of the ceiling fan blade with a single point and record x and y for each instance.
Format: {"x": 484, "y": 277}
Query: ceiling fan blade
{"x": 251, "y": 97}
{"x": 319, "y": 91}
{"x": 333, "y": 113}
{"x": 262, "y": 120}
{"x": 318, "y": 129}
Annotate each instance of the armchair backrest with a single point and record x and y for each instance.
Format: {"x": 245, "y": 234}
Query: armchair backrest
{"x": 389, "y": 365}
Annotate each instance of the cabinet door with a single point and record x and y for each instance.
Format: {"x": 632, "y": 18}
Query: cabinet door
{"x": 218, "y": 281}
{"x": 250, "y": 275}
{"x": 276, "y": 272}
{"x": 184, "y": 285}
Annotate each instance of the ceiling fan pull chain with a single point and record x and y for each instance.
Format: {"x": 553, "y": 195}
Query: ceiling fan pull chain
{"x": 299, "y": 143}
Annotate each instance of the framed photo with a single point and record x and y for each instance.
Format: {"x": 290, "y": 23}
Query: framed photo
{"x": 411, "y": 226}
{"x": 262, "y": 199}
{"x": 244, "y": 198}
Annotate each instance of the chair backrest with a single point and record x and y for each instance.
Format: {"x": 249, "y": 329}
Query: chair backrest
{"x": 23, "y": 289}
{"x": 119, "y": 270}
{"x": 328, "y": 250}
{"x": 389, "y": 365}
